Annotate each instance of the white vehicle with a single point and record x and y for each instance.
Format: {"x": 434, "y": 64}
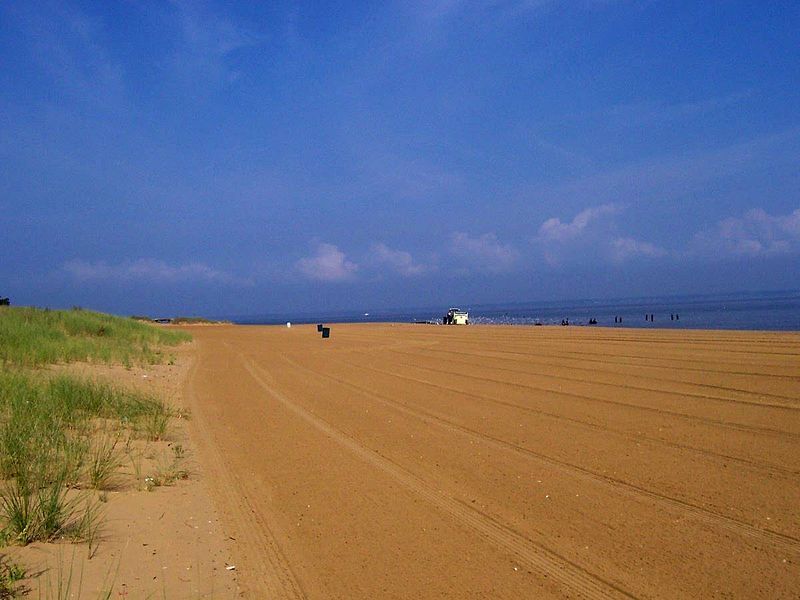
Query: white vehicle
{"x": 456, "y": 316}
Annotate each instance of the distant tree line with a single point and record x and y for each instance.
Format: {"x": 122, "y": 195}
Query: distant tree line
{"x": 5, "y": 302}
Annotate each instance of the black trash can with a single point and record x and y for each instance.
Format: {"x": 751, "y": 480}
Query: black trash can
{"x": 319, "y": 327}
{"x": 326, "y": 332}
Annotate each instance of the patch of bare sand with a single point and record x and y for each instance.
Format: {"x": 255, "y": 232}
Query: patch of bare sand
{"x": 503, "y": 462}
{"x": 154, "y": 541}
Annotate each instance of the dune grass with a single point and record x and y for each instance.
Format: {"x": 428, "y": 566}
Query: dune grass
{"x": 34, "y": 337}
{"x": 50, "y": 448}
{"x": 59, "y": 433}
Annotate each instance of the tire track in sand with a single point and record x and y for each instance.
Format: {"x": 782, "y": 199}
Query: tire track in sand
{"x": 702, "y": 514}
{"x": 639, "y": 360}
{"x": 271, "y": 575}
{"x": 752, "y": 464}
{"x": 642, "y": 407}
{"x": 792, "y": 403}
{"x": 529, "y": 554}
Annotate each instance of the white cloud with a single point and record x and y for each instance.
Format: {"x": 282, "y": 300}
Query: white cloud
{"x": 327, "y": 264}
{"x": 149, "y": 270}
{"x": 756, "y": 233}
{"x": 555, "y": 230}
{"x": 590, "y": 234}
{"x": 399, "y": 261}
{"x": 484, "y": 252}
{"x": 623, "y": 249}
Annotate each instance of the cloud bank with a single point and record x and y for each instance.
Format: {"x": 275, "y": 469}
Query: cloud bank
{"x": 591, "y": 235}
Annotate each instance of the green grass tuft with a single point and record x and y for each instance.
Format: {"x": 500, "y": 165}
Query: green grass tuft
{"x": 10, "y": 576}
{"x": 104, "y": 461}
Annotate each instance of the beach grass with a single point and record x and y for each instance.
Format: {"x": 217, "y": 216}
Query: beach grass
{"x": 34, "y": 337}
{"x": 10, "y": 576}
{"x": 59, "y": 433}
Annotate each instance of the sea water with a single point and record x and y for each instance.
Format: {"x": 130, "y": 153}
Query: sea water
{"x": 751, "y": 311}
{"x": 777, "y": 311}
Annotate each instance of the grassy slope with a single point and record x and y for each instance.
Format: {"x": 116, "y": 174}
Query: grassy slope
{"x": 33, "y": 337}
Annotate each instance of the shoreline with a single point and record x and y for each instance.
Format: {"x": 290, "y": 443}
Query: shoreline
{"x": 747, "y": 311}
{"x": 623, "y": 327}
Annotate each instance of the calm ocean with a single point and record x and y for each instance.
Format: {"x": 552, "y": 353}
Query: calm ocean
{"x": 778, "y": 311}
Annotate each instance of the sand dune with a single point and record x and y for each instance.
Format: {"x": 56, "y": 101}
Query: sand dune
{"x": 496, "y": 462}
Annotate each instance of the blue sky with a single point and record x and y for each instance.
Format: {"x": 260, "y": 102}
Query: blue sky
{"x": 227, "y": 158}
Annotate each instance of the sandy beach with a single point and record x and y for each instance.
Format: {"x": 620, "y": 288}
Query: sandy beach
{"x": 411, "y": 461}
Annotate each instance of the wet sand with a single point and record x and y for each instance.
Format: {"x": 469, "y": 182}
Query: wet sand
{"x": 411, "y": 461}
